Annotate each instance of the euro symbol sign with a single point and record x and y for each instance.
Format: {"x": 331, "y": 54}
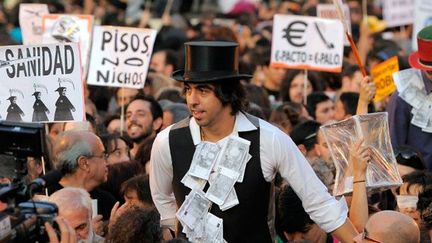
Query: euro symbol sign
{"x": 294, "y": 33}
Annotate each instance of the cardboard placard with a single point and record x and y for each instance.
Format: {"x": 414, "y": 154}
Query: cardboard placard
{"x": 30, "y": 20}
{"x": 382, "y": 75}
{"x": 120, "y": 56}
{"x": 64, "y": 28}
{"x": 398, "y": 12}
{"x": 423, "y": 18}
{"x": 328, "y": 11}
{"x": 41, "y": 83}
{"x": 311, "y": 43}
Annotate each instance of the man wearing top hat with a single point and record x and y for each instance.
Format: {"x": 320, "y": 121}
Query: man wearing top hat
{"x": 216, "y": 99}
{"x": 63, "y": 106}
{"x": 39, "y": 108}
{"x": 14, "y": 112}
{"x": 402, "y": 129}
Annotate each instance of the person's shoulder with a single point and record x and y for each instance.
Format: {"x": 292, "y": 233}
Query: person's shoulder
{"x": 270, "y": 133}
{"x": 267, "y": 127}
{"x": 164, "y": 134}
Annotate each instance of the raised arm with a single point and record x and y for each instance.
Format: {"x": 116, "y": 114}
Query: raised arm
{"x": 359, "y": 157}
{"x": 367, "y": 92}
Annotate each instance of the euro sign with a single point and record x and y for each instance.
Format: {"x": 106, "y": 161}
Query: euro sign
{"x": 294, "y": 33}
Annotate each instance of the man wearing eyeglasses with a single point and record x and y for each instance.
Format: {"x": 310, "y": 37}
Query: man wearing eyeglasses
{"x": 389, "y": 226}
{"x": 81, "y": 157}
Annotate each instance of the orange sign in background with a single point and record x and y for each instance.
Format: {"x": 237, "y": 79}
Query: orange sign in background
{"x": 382, "y": 75}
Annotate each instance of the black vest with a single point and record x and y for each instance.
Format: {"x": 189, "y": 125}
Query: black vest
{"x": 245, "y": 222}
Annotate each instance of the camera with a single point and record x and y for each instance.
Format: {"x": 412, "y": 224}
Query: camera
{"x": 22, "y": 220}
{"x": 27, "y": 223}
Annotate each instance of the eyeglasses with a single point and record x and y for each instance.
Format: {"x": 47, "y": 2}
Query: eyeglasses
{"x": 365, "y": 236}
{"x": 103, "y": 156}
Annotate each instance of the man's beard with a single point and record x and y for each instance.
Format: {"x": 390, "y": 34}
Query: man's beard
{"x": 141, "y": 137}
{"x": 90, "y": 236}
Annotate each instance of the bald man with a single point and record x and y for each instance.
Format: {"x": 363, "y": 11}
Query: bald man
{"x": 81, "y": 157}
{"x": 390, "y": 227}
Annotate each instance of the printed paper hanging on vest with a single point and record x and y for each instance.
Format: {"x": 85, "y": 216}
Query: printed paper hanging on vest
{"x": 30, "y": 20}
{"x": 311, "y": 43}
{"x": 120, "y": 56}
{"x": 41, "y": 83}
{"x": 63, "y": 28}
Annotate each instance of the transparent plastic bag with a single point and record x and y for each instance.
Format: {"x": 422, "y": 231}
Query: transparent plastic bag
{"x": 382, "y": 172}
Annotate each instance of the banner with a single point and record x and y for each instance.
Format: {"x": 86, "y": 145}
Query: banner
{"x": 328, "y": 11}
{"x": 30, "y": 20}
{"x": 301, "y": 42}
{"x": 398, "y": 12}
{"x": 62, "y": 28}
{"x": 120, "y": 56}
{"x": 382, "y": 75}
{"x": 41, "y": 83}
{"x": 423, "y": 18}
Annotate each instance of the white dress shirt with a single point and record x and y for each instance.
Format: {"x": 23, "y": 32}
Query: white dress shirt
{"x": 278, "y": 154}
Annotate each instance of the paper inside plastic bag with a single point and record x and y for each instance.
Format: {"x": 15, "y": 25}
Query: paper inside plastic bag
{"x": 382, "y": 172}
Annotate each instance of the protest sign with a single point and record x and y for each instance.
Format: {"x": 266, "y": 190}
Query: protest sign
{"x": 328, "y": 11}
{"x": 382, "y": 75}
{"x": 301, "y": 42}
{"x": 120, "y": 56}
{"x": 41, "y": 83}
{"x": 398, "y": 12}
{"x": 61, "y": 28}
{"x": 30, "y": 20}
{"x": 423, "y": 18}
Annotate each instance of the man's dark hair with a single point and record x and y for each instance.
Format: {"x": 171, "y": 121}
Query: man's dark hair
{"x": 155, "y": 108}
{"x": 171, "y": 58}
{"x": 306, "y": 133}
{"x": 136, "y": 225}
{"x": 231, "y": 93}
{"x": 349, "y": 101}
{"x": 409, "y": 156}
{"x": 420, "y": 178}
{"x": 313, "y": 100}
{"x": 142, "y": 187}
{"x": 293, "y": 218}
{"x": 349, "y": 70}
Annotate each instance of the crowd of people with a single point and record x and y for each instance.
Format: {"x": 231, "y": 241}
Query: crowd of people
{"x": 211, "y": 81}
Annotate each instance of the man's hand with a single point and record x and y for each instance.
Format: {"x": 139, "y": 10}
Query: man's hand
{"x": 116, "y": 211}
{"x": 67, "y": 233}
{"x": 367, "y": 90}
{"x": 359, "y": 157}
{"x": 97, "y": 225}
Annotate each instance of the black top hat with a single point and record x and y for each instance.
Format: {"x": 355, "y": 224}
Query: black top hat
{"x": 60, "y": 89}
{"x": 11, "y": 98}
{"x": 209, "y": 61}
{"x": 36, "y": 93}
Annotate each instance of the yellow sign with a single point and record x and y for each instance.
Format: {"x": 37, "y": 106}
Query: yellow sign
{"x": 382, "y": 75}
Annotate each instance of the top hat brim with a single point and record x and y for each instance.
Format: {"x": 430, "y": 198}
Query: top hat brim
{"x": 179, "y": 76}
{"x": 414, "y": 61}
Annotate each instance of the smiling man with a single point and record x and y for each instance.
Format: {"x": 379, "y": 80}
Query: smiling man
{"x": 143, "y": 119}
{"x": 216, "y": 99}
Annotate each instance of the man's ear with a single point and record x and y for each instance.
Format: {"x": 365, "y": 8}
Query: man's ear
{"x": 157, "y": 124}
{"x": 83, "y": 163}
{"x": 302, "y": 149}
